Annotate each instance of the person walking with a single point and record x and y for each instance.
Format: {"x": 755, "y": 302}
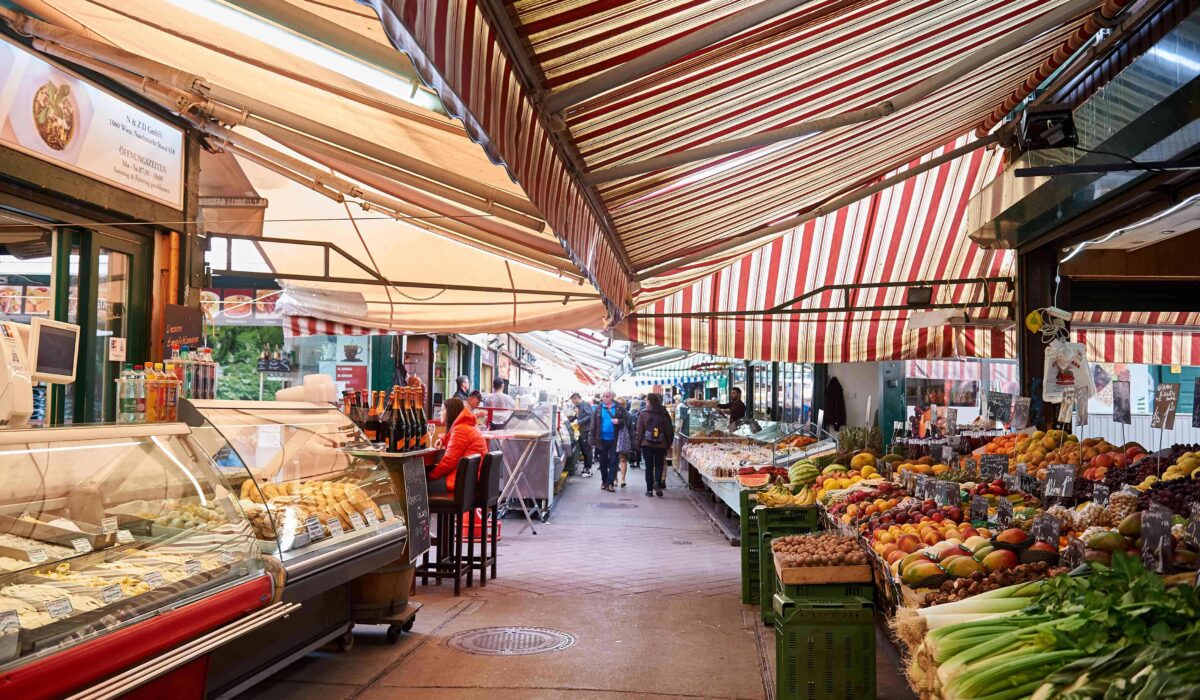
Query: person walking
{"x": 463, "y": 388}
{"x": 654, "y": 434}
{"x": 635, "y": 410}
{"x": 583, "y": 422}
{"x": 624, "y": 440}
{"x": 607, "y": 423}
{"x": 500, "y": 403}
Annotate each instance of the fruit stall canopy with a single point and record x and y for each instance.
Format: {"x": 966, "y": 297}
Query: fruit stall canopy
{"x": 324, "y": 119}
{"x": 662, "y": 134}
{"x": 1139, "y": 337}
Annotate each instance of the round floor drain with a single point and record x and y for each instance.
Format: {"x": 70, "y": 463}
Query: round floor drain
{"x": 612, "y": 506}
{"x": 510, "y": 641}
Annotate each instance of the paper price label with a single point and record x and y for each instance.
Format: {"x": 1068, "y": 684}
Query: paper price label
{"x": 226, "y": 557}
{"x": 387, "y": 512}
{"x": 82, "y": 545}
{"x": 108, "y": 525}
{"x": 372, "y": 519}
{"x": 357, "y": 521}
{"x": 124, "y": 536}
{"x": 191, "y": 567}
{"x": 154, "y": 579}
{"x": 979, "y": 508}
{"x": 9, "y": 622}
{"x": 111, "y": 594}
{"x": 38, "y": 555}
{"x": 335, "y": 527}
{"x": 313, "y": 524}
{"x": 60, "y": 608}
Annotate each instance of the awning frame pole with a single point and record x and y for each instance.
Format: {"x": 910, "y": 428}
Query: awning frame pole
{"x": 962, "y": 68}
{"x": 665, "y": 55}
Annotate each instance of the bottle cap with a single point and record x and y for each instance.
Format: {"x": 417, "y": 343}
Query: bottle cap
{"x": 185, "y": 347}
{"x": 137, "y": 368}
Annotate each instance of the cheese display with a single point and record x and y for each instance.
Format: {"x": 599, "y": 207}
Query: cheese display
{"x": 25, "y": 544}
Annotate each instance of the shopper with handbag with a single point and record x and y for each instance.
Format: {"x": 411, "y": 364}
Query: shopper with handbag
{"x": 654, "y": 435}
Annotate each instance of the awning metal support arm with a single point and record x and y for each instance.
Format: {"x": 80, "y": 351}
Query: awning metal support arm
{"x": 964, "y": 67}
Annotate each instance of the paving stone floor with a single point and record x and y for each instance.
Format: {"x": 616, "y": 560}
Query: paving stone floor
{"x": 647, "y": 587}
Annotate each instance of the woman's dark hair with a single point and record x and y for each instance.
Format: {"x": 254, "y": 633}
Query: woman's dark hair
{"x": 453, "y": 408}
{"x": 655, "y": 401}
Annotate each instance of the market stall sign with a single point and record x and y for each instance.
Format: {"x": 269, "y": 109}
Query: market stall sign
{"x": 1060, "y": 481}
{"x": 183, "y": 325}
{"x": 1166, "y": 401}
{"x": 999, "y": 406}
{"x": 992, "y": 467}
{"x": 1046, "y": 528}
{"x": 1004, "y": 512}
{"x": 416, "y": 507}
{"x": 979, "y": 508}
{"x": 1156, "y": 538}
{"x": 1100, "y": 494}
{"x": 58, "y": 117}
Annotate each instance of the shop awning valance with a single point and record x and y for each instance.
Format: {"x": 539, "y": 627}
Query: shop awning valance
{"x": 912, "y": 234}
{"x": 585, "y": 98}
{"x": 304, "y": 326}
{"x": 1139, "y": 337}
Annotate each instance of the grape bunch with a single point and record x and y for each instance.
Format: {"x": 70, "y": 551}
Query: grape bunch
{"x": 1179, "y": 495}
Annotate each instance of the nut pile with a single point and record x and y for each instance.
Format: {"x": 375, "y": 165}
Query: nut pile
{"x": 818, "y": 550}
{"x": 979, "y": 582}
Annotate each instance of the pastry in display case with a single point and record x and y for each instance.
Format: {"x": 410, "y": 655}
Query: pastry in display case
{"x": 102, "y": 527}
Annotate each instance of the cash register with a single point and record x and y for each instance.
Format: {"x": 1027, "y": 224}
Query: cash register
{"x": 40, "y": 351}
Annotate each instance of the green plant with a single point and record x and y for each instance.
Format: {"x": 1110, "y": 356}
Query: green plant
{"x": 236, "y": 349}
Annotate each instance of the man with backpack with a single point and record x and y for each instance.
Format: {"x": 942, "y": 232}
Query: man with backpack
{"x": 654, "y": 435}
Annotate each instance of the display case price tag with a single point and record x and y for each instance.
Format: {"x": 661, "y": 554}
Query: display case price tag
{"x": 1046, "y": 528}
{"x": 357, "y": 521}
{"x": 154, "y": 579}
{"x": 60, "y": 608}
{"x": 387, "y": 512}
{"x": 979, "y": 508}
{"x": 992, "y": 467}
{"x": 1156, "y": 538}
{"x": 335, "y": 527}
{"x": 111, "y": 594}
{"x": 1060, "y": 481}
{"x": 9, "y": 621}
{"x": 108, "y": 525}
{"x": 313, "y": 525}
{"x": 1100, "y": 494}
{"x": 82, "y": 545}
{"x": 372, "y": 518}
{"x": 1004, "y": 512}
{"x": 226, "y": 557}
{"x": 124, "y": 536}
{"x": 947, "y": 493}
{"x": 37, "y": 555}
{"x": 191, "y": 567}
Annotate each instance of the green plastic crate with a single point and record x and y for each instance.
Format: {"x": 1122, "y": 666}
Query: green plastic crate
{"x": 789, "y": 521}
{"x": 768, "y": 581}
{"x": 749, "y": 541}
{"x": 824, "y": 649}
{"x": 826, "y": 591}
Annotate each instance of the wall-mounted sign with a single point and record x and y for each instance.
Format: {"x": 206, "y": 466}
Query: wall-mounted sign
{"x": 183, "y": 325}
{"x": 62, "y": 119}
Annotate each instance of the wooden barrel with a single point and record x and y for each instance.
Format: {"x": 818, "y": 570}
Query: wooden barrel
{"x": 382, "y": 592}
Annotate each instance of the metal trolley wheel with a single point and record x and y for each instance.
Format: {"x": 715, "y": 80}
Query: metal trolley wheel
{"x": 345, "y": 642}
{"x": 394, "y": 631}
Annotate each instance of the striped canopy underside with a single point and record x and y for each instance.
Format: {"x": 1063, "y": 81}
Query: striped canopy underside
{"x": 910, "y": 233}
{"x": 303, "y": 326}
{"x": 1139, "y": 337}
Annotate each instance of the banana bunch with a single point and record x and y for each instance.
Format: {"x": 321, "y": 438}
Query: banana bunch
{"x": 780, "y": 496}
{"x": 803, "y": 473}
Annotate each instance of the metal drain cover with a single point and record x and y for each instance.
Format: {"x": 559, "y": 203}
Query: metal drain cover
{"x": 612, "y": 506}
{"x": 681, "y": 542}
{"x": 509, "y": 641}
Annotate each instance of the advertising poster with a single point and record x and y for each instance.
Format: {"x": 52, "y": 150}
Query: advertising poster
{"x": 38, "y": 301}
{"x": 351, "y": 377}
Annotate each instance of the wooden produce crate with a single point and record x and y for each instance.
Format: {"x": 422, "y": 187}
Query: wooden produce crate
{"x": 804, "y": 575}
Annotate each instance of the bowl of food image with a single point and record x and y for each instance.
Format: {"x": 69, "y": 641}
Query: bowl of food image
{"x": 55, "y": 114}
{"x": 51, "y": 114}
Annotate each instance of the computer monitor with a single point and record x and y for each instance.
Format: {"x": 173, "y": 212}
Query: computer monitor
{"x": 53, "y": 351}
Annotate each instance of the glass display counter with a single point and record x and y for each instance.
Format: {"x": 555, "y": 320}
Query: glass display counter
{"x": 533, "y": 455}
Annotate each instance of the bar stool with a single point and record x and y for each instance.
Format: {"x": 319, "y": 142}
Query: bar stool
{"x": 487, "y": 502}
{"x": 449, "y": 561}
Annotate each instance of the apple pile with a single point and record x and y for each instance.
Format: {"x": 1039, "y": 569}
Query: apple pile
{"x": 1108, "y": 457}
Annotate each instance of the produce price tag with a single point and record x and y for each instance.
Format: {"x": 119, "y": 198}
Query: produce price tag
{"x": 951, "y": 421}
{"x": 37, "y": 555}
{"x": 946, "y": 493}
{"x": 82, "y": 545}
{"x": 154, "y": 579}
{"x": 124, "y": 536}
{"x": 357, "y": 521}
{"x": 226, "y": 557}
{"x": 969, "y": 465}
{"x": 372, "y": 519}
{"x": 1010, "y": 481}
{"x": 192, "y": 567}
{"x": 1166, "y": 401}
{"x": 1025, "y": 481}
{"x": 1060, "y": 481}
{"x": 1020, "y": 416}
{"x": 387, "y": 512}
{"x": 1075, "y": 552}
{"x": 1156, "y": 538}
{"x": 313, "y": 524}
{"x": 1121, "y": 413}
{"x": 1100, "y": 494}
{"x": 111, "y": 594}
{"x": 947, "y": 454}
{"x": 108, "y": 525}
{"x": 979, "y": 508}
{"x": 1046, "y": 528}
{"x": 335, "y": 527}
{"x": 60, "y": 608}
{"x": 999, "y": 406}
{"x": 993, "y": 467}
{"x": 1004, "y": 512}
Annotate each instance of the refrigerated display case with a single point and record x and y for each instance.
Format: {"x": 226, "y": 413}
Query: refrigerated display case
{"x": 118, "y": 544}
{"x": 319, "y": 501}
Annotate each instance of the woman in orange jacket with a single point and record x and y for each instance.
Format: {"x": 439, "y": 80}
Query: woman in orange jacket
{"x": 462, "y": 439}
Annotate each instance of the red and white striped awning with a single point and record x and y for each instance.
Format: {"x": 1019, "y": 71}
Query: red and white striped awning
{"x": 943, "y": 369}
{"x": 1139, "y": 337}
{"x": 815, "y": 60}
{"x": 909, "y": 233}
{"x": 302, "y": 326}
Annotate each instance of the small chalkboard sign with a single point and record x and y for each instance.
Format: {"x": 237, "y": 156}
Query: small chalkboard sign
{"x": 1046, "y": 528}
{"x": 1066, "y": 407}
{"x": 992, "y": 467}
{"x": 999, "y": 406}
{"x": 969, "y": 465}
{"x": 1100, "y": 494}
{"x": 1121, "y": 411}
{"x": 1156, "y": 538}
{"x": 1076, "y": 552}
{"x": 947, "y": 493}
{"x": 416, "y": 507}
{"x": 1004, "y": 512}
{"x": 1166, "y": 401}
{"x": 951, "y": 421}
{"x": 1193, "y": 525}
{"x": 948, "y": 455}
{"x": 1060, "y": 481}
{"x": 1195, "y": 413}
{"x": 1020, "y": 417}
{"x": 1027, "y": 482}
{"x": 923, "y": 486}
{"x": 1010, "y": 481}
{"x": 979, "y": 508}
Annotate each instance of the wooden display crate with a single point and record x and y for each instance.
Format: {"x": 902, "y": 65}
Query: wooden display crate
{"x": 805, "y": 575}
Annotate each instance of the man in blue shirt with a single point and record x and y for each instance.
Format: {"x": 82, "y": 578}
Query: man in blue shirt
{"x": 607, "y": 420}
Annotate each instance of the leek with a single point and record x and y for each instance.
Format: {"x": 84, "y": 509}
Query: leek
{"x": 933, "y": 622}
{"x": 976, "y": 605}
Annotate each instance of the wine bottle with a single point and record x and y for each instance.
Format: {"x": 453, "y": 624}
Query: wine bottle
{"x": 422, "y": 422}
{"x": 394, "y": 425}
{"x": 411, "y": 433}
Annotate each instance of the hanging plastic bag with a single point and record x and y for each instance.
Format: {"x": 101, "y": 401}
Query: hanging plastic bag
{"x": 1066, "y": 367}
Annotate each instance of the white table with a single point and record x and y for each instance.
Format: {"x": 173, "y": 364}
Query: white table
{"x": 516, "y": 472}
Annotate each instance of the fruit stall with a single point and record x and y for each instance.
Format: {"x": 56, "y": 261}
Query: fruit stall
{"x": 1025, "y": 565}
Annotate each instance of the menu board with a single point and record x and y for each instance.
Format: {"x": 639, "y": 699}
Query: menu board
{"x": 416, "y": 507}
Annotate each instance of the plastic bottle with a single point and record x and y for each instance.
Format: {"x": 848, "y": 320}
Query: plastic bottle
{"x": 160, "y": 393}
{"x": 212, "y": 373}
{"x": 139, "y": 392}
{"x": 152, "y": 394}
{"x": 126, "y": 399}
{"x": 189, "y": 372}
{"x": 171, "y": 393}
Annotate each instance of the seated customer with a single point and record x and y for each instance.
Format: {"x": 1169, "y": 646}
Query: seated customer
{"x": 462, "y": 439}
